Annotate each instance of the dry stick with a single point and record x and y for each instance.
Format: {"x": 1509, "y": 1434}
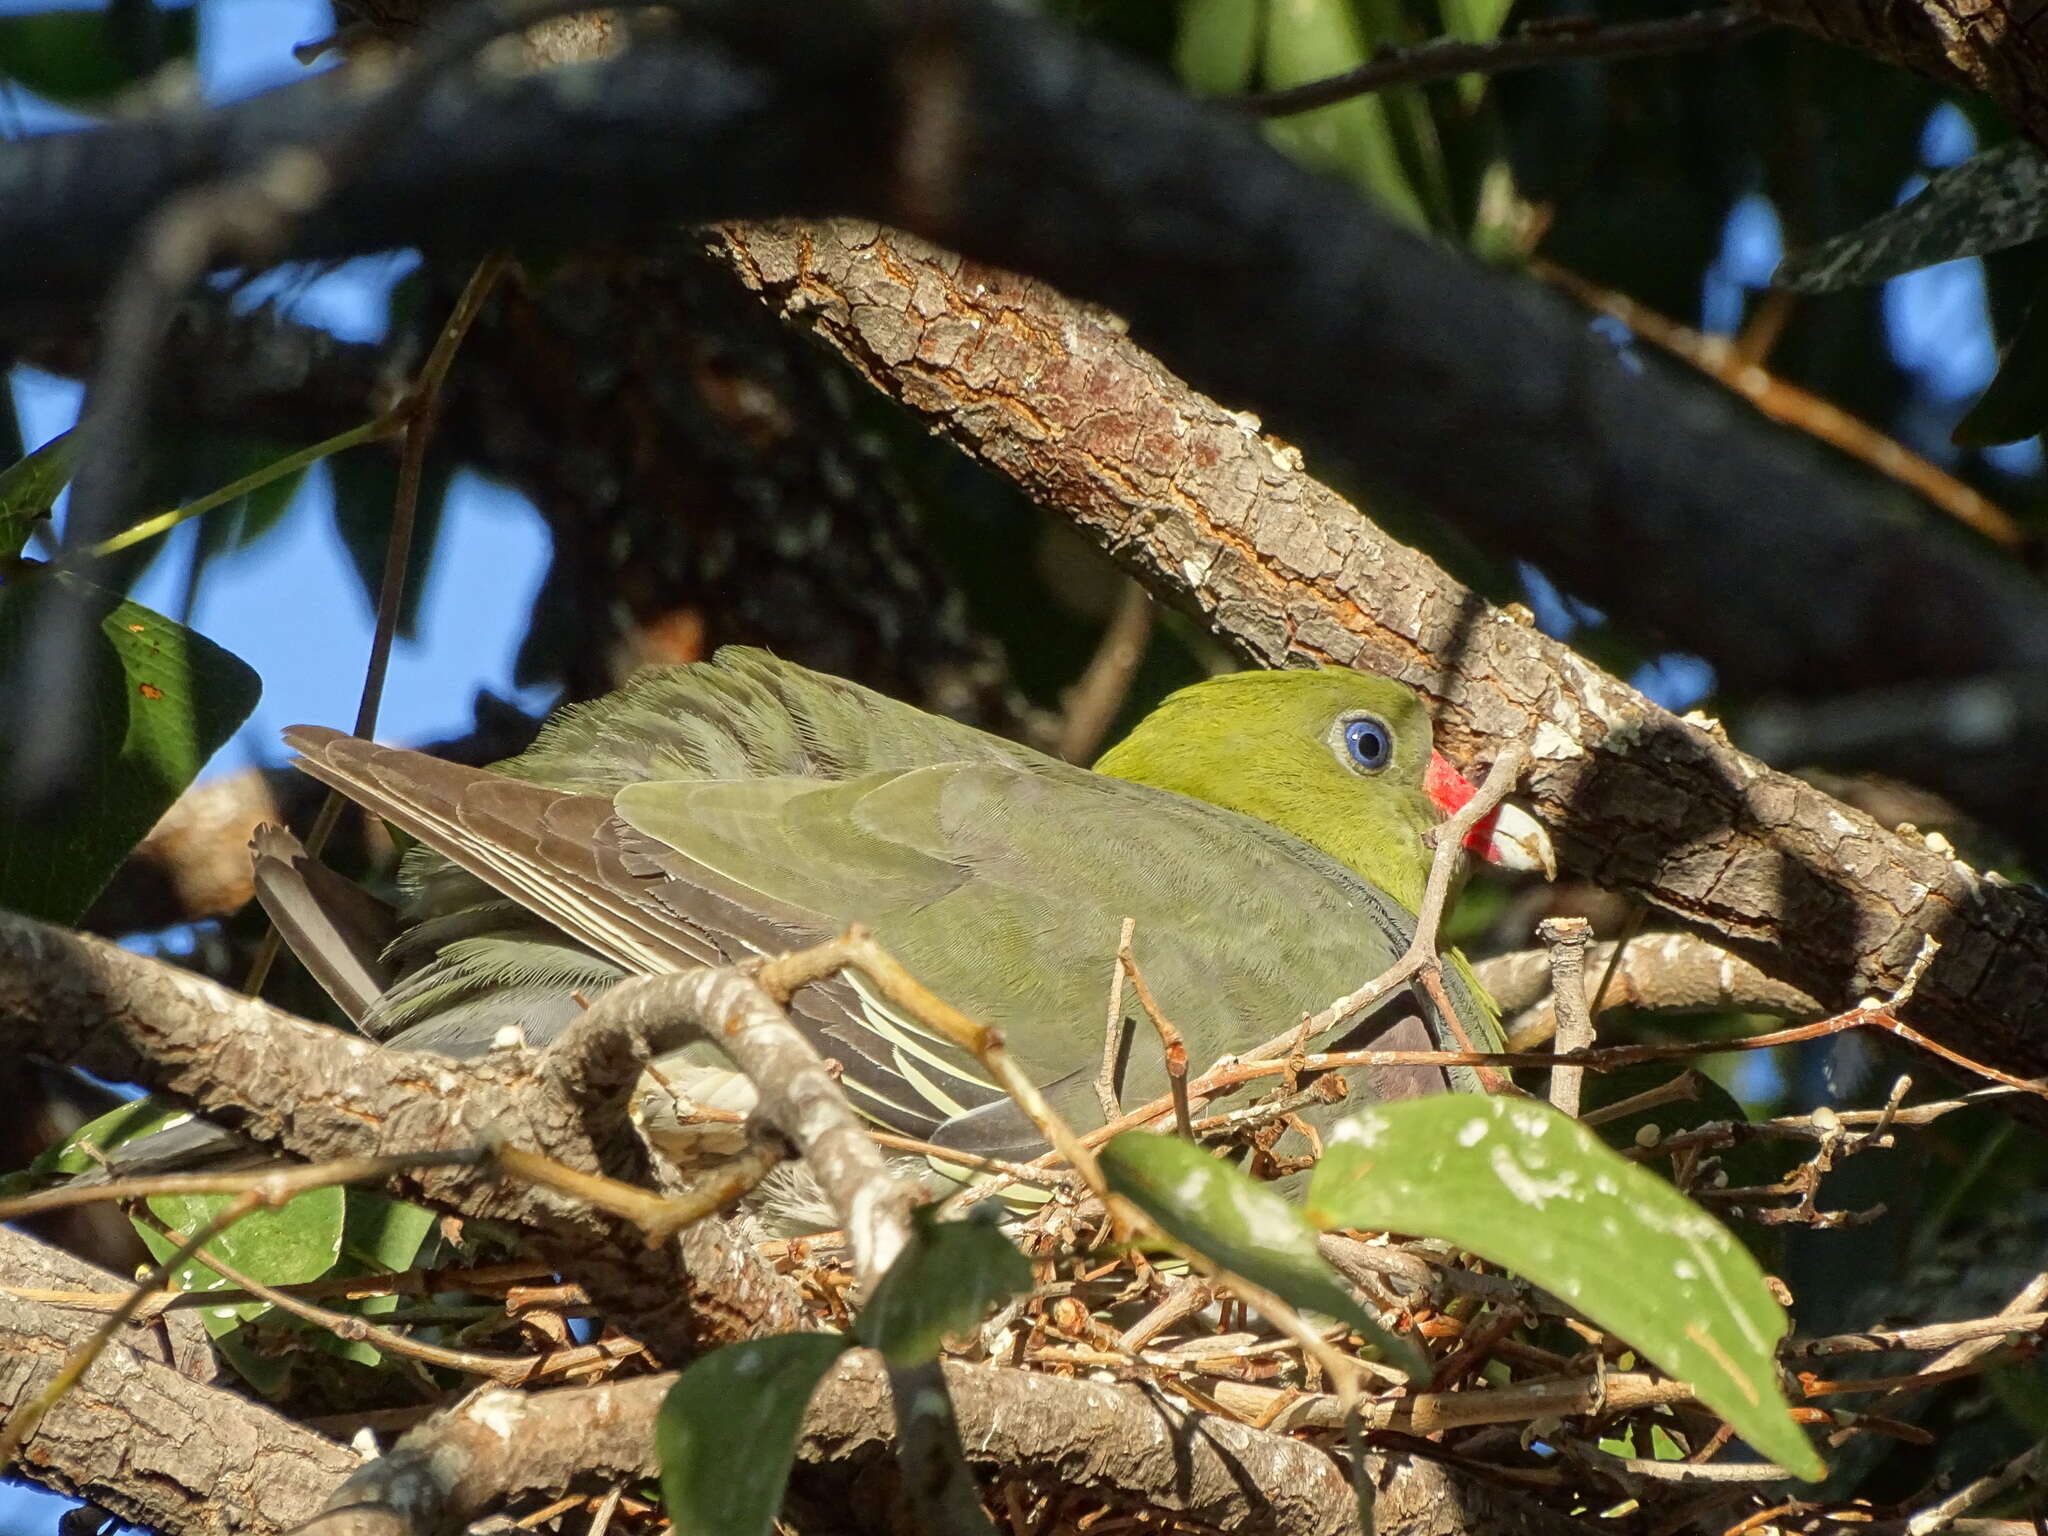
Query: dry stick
{"x": 421, "y": 410}
{"x": 1682, "y": 1089}
{"x": 1567, "y": 938}
{"x": 1447, "y": 58}
{"x": 273, "y": 1186}
{"x": 660, "y": 1217}
{"x": 857, "y": 948}
{"x": 1170, "y": 1042}
{"x": 1937, "y": 1516}
{"x": 271, "y": 1189}
{"x": 352, "y": 1326}
{"x": 1787, "y": 403}
{"x": 1113, "y": 1028}
{"x": 1422, "y": 949}
{"x": 2029, "y": 1300}
{"x": 1093, "y": 702}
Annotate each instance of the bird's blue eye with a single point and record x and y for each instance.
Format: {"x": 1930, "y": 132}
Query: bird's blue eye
{"x": 1369, "y": 742}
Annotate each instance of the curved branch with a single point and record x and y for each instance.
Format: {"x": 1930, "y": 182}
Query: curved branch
{"x": 1455, "y": 388}
{"x": 1201, "y": 505}
{"x": 322, "y": 1094}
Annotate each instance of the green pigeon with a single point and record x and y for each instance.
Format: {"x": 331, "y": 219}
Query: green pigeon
{"x": 1264, "y": 831}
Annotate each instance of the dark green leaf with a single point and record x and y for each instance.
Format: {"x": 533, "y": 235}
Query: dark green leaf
{"x": 728, "y": 1429}
{"x": 158, "y": 701}
{"x": 386, "y": 1234}
{"x": 122, "y": 1124}
{"x": 1516, "y": 1182}
{"x": 82, "y": 58}
{"x": 1357, "y": 139}
{"x": 298, "y": 1241}
{"x": 2015, "y": 404}
{"x": 1238, "y": 1224}
{"x": 944, "y": 1282}
{"x": 1991, "y": 202}
{"x": 28, "y": 487}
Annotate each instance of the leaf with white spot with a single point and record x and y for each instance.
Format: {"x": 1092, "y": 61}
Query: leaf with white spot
{"x": 727, "y": 1431}
{"x": 1991, "y": 202}
{"x": 297, "y": 1242}
{"x": 1239, "y": 1225}
{"x": 1514, "y": 1181}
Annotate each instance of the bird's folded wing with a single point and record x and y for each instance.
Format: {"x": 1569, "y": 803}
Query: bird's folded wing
{"x": 338, "y": 930}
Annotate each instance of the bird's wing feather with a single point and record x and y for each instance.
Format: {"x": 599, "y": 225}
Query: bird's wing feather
{"x": 979, "y": 875}
{"x": 338, "y": 930}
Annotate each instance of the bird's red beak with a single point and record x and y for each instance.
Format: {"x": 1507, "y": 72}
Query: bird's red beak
{"x": 1507, "y": 835}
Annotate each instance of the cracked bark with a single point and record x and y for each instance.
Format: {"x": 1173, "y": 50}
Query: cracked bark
{"x": 144, "y": 1435}
{"x": 319, "y": 1094}
{"x": 1205, "y": 509}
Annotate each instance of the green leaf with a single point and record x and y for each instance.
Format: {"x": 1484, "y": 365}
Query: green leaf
{"x": 1514, "y": 1181}
{"x": 384, "y": 1234}
{"x": 299, "y": 1241}
{"x": 119, "y": 1125}
{"x": 728, "y": 1429}
{"x": 28, "y": 489}
{"x": 2015, "y": 404}
{"x": 158, "y": 700}
{"x": 1308, "y": 40}
{"x": 1991, "y": 202}
{"x": 1217, "y": 45}
{"x": 945, "y": 1281}
{"x": 83, "y": 58}
{"x": 1240, "y": 1225}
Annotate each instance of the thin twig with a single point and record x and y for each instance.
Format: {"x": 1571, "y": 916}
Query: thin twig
{"x": 1446, "y": 58}
{"x": 1938, "y": 1516}
{"x": 1113, "y": 1028}
{"x": 659, "y": 1217}
{"x": 22, "y": 1423}
{"x": 1174, "y": 1048}
{"x": 1422, "y": 949}
{"x": 421, "y": 410}
{"x": 1808, "y": 413}
{"x": 272, "y": 1186}
{"x": 1093, "y": 702}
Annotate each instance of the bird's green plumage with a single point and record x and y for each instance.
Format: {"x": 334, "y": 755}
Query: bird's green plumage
{"x": 754, "y": 804}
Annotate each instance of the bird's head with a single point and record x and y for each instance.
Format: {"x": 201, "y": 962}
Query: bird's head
{"x": 1342, "y": 760}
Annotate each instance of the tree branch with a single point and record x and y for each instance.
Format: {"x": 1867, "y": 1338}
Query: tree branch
{"x": 1654, "y": 496}
{"x": 186, "y": 1457}
{"x": 322, "y": 1094}
{"x": 1815, "y": 894}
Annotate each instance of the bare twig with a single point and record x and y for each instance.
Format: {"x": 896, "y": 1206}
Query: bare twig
{"x": 1093, "y": 702}
{"x": 420, "y": 410}
{"x": 1446, "y": 58}
{"x": 1943, "y": 1514}
{"x": 1170, "y": 1042}
{"x": 22, "y": 1422}
{"x": 271, "y": 1186}
{"x": 1422, "y": 949}
{"x": 1113, "y": 1028}
{"x": 659, "y": 1216}
{"x": 1567, "y": 938}
{"x": 1809, "y": 413}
